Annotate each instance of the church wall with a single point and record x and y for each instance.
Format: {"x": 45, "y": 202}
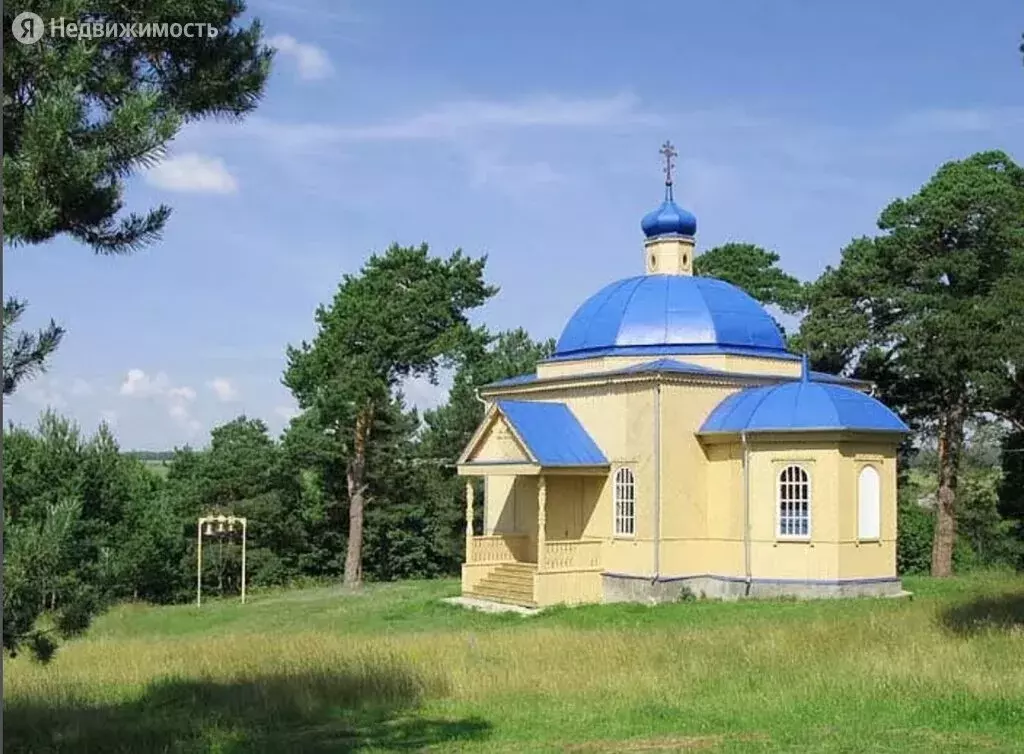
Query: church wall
{"x": 724, "y": 362}
{"x": 595, "y": 365}
{"x": 572, "y": 506}
{"x": 745, "y": 364}
{"x": 701, "y": 523}
{"x": 771, "y": 556}
{"x": 499, "y": 504}
{"x": 510, "y": 505}
{"x": 620, "y": 418}
{"x": 499, "y": 444}
{"x": 877, "y": 557}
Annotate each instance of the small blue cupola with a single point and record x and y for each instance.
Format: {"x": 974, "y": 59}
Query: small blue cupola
{"x": 669, "y": 219}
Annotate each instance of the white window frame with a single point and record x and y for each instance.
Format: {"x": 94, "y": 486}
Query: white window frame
{"x": 877, "y": 536}
{"x": 624, "y": 503}
{"x": 801, "y": 491}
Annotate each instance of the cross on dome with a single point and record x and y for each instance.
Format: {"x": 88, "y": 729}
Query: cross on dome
{"x": 669, "y": 219}
{"x": 669, "y": 153}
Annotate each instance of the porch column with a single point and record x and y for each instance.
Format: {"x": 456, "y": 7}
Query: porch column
{"x": 542, "y": 518}
{"x": 469, "y": 518}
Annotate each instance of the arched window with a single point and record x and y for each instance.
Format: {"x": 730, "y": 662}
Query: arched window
{"x": 794, "y": 503}
{"x": 625, "y": 503}
{"x": 869, "y": 504}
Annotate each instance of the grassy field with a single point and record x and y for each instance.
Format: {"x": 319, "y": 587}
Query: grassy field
{"x": 158, "y": 467}
{"x": 394, "y": 669}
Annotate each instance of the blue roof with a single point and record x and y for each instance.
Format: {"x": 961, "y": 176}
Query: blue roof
{"x": 801, "y": 406}
{"x": 522, "y": 379}
{"x": 669, "y": 219}
{"x": 662, "y": 312}
{"x": 667, "y": 365}
{"x": 552, "y": 433}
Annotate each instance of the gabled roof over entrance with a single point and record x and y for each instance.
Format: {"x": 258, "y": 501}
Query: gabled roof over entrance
{"x": 534, "y": 433}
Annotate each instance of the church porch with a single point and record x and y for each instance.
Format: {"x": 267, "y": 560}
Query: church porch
{"x": 549, "y": 562}
{"x": 543, "y": 476}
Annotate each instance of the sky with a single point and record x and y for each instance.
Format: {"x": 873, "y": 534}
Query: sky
{"x": 527, "y": 132}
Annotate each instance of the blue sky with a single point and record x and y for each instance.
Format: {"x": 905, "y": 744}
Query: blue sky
{"x": 526, "y": 131}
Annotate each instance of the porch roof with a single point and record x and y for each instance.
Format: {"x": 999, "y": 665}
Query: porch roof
{"x": 548, "y": 435}
{"x": 552, "y": 433}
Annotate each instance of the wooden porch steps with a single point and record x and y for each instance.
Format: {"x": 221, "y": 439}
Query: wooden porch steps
{"x": 510, "y": 583}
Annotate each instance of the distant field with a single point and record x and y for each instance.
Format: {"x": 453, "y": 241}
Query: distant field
{"x": 394, "y": 669}
{"x": 157, "y": 467}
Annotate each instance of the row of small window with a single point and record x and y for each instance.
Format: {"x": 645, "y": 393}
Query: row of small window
{"x": 794, "y": 503}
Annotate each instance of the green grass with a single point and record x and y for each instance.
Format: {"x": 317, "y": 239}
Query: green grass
{"x": 158, "y": 467}
{"x": 394, "y": 669}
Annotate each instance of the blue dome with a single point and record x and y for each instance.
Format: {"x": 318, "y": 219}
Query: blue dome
{"x": 802, "y": 406}
{"x": 669, "y": 219}
{"x": 670, "y": 314}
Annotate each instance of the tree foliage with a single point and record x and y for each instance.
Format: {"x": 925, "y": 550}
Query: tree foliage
{"x": 79, "y": 117}
{"x": 75, "y": 513}
{"x": 756, "y": 271}
{"x": 403, "y": 316}
{"x": 25, "y": 353}
{"x": 932, "y": 310}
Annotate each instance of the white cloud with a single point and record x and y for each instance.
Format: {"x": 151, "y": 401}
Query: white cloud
{"x": 192, "y": 173}
{"x": 962, "y": 120}
{"x": 223, "y": 388}
{"x": 456, "y": 120}
{"x": 178, "y": 411}
{"x": 487, "y": 169}
{"x": 182, "y": 393}
{"x": 183, "y": 418}
{"x": 312, "y": 61}
{"x": 139, "y": 384}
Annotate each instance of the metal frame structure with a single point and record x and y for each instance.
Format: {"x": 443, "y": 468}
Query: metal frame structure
{"x": 225, "y": 525}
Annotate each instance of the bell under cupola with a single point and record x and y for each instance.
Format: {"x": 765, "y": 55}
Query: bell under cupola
{"x": 669, "y": 230}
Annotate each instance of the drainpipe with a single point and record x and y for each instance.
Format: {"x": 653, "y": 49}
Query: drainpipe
{"x": 746, "y": 511}
{"x": 476, "y": 394}
{"x": 657, "y": 483}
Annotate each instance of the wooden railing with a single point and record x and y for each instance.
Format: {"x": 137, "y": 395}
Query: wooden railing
{"x": 572, "y": 555}
{"x": 499, "y": 548}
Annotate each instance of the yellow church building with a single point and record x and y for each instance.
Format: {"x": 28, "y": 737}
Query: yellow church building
{"x": 672, "y": 443}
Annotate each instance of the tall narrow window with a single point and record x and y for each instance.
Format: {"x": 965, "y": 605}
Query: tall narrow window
{"x": 869, "y": 504}
{"x": 794, "y": 503}
{"x": 625, "y": 502}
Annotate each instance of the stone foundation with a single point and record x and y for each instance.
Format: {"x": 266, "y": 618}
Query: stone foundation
{"x": 619, "y": 587}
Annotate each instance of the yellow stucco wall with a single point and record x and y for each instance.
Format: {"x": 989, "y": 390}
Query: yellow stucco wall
{"x": 669, "y": 256}
{"x": 567, "y": 588}
{"x": 724, "y": 362}
{"x": 831, "y": 552}
{"x": 510, "y": 505}
{"x": 498, "y": 444}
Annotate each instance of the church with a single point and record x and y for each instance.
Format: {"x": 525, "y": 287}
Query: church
{"x": 672, "y": 445}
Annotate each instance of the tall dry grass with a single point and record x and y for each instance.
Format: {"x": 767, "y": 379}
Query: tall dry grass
{"x": 894, "y": 665}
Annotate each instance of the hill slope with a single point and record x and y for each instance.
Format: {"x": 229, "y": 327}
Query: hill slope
{"x": 394, "y": 669}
